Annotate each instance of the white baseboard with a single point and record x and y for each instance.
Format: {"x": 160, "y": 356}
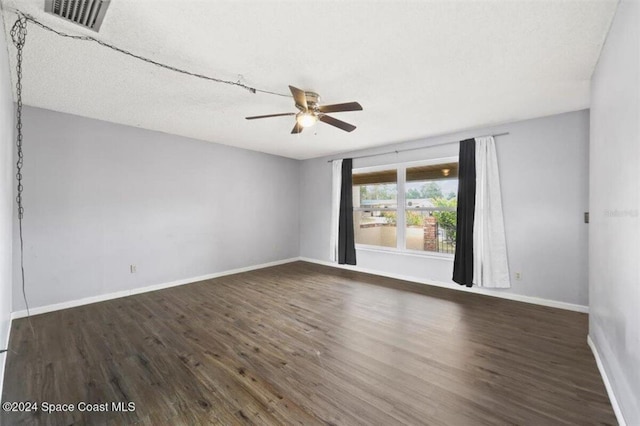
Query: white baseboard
{"x": 115, "y": 295}
{"x": 607, "y": 383}
{"x": 118, "y": 294}
{"x": 486, "y": 292}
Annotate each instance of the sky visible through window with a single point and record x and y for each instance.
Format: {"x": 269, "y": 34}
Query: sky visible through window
{"x": 432, "y": 189}
{"x": 415, "y": 190}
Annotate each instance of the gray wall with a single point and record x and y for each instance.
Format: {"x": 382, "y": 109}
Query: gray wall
{"x": 6, "y": 197}
{"x": 614, "y": 232}
{"x": 101, "y": 196}
{"x": 544, "y": 176}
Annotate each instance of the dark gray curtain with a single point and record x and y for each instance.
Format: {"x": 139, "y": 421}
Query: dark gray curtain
{"x": 346, "y": 237}
{"x": 463, "y": 261}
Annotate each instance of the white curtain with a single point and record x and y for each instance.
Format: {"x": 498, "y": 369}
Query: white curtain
{"x": 490, "y": 265}
{"x": 335, "y": 208}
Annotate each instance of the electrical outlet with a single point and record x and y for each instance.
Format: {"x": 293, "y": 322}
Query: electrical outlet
{"x": 518, "y": 276}
{"x": 132, "y": 268}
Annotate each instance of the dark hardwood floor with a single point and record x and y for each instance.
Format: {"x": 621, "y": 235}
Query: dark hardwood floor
{"x": 307, "y": 344}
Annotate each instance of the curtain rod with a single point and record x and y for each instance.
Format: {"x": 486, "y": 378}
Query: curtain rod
{"x": 415, "y": 149}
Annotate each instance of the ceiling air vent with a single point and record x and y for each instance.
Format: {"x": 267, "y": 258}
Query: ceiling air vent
{"x": 88, "y": 13}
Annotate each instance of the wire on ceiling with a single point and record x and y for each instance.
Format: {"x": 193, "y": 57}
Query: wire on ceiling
{"x": 240, "y": 84}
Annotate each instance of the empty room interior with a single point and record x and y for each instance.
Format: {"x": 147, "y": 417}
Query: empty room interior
{"x": 411, "y": 212}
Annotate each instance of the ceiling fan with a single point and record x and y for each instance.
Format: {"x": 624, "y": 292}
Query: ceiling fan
{"x": 310, "y": 112}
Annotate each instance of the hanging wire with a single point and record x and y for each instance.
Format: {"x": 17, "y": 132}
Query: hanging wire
{"x": 18, "y": 36}
{"x": 239, "y": 83}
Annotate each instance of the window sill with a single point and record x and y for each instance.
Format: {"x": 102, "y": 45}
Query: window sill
{"x": 390, "y": 250}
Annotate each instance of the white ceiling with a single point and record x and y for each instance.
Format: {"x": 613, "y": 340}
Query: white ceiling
{"x": 419, "y": 68}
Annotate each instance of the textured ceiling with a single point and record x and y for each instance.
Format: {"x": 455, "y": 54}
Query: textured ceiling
{"x": 419, "y": 68}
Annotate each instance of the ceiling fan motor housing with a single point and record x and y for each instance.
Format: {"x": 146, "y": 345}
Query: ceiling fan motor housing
{"x": 312, "y": 100}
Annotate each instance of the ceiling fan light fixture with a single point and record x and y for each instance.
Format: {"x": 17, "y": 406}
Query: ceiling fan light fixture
{"x": 306, "y": 119}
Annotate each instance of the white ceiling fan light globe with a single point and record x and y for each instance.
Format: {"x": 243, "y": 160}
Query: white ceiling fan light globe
{"x": 306, "y": 119}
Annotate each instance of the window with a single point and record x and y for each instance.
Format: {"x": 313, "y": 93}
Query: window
{"x": 409, "y": 207}
{"x": 375, "y": 208}
{"x": 431, "y": 198}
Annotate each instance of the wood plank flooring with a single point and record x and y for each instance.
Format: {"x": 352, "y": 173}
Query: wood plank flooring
{"x": 306, "y": 344}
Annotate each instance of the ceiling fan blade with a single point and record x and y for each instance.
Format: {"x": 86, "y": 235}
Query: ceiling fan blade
{"x": 297, "y": 129}
{"x": 299, "y": 96}
{"x": 349, "y": 106}
{"x": 337, "y": 123}
{"x": 270, "y": 115}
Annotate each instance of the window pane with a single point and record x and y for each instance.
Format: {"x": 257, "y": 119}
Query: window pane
{"x": 377, "y": 191}
{"x": 433, "y": 231}
{"x": 431, "y": 200}
{"x": 430, "y": 193}
{"x": 375, "y": 228}
{"x": 375, "y": 202}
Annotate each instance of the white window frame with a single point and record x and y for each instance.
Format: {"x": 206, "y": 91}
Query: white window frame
{"x": 401, "y": 208}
